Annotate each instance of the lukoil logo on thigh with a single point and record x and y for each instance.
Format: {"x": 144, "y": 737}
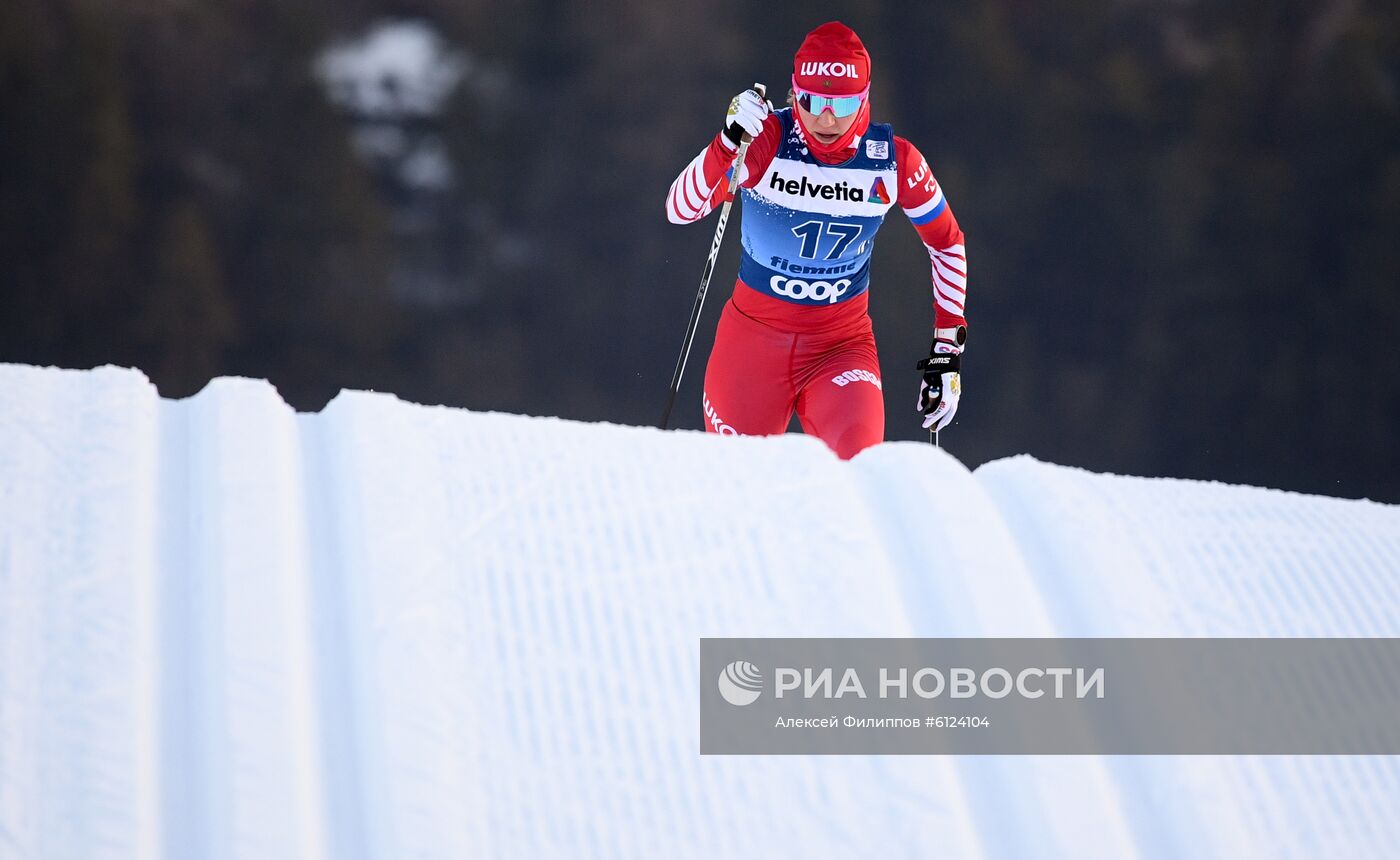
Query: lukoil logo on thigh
{"x": 717, "y": 423}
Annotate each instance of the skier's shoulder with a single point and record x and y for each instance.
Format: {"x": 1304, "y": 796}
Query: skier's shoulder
{"x": 904, "y": 148}
{"x": 907, "y": 157}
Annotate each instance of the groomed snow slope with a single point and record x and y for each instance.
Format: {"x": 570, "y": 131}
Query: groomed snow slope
{"x": 387, "y": 630}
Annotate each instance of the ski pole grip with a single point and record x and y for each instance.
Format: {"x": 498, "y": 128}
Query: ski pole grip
{"x": 763, "y": 94}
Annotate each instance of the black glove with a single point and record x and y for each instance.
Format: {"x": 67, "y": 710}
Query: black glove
{"x": 941, "y": 386}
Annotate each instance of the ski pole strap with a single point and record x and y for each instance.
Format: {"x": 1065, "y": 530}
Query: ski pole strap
{"x": 944, "y": 362}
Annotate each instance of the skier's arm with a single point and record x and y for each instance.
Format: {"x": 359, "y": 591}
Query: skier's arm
{"x": 702, "y": 185}
{"x": 922, "y": 199}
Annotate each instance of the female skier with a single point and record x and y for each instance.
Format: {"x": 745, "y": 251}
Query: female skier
{"x": 817, "y": 181}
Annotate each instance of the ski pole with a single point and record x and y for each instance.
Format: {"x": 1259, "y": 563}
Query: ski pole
{"x": 709, "y": 270}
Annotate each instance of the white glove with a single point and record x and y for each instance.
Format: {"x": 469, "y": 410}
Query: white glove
{"x": 747, "y": 111}
{"x": 941, "y": 386}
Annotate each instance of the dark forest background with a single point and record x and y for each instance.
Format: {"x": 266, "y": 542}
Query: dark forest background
{"x": 1183, "y": 218}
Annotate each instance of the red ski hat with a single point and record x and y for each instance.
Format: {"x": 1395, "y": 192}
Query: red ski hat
{"x": 832, "y": 61}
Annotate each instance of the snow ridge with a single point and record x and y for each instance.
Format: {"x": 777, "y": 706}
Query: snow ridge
{"x": 384, "y": 630}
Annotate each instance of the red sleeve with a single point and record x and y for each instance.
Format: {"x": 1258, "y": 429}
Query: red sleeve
{"x": 702, "y": 185}
{"x": 922, "y": 199}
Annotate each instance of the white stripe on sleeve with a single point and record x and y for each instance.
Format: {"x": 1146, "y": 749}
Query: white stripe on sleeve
{"x": 951, "y": 295}
{"x": 949, "y": 306}
{"x": 689, "y": 199}
{"x": 949, "y": 274}
{"x": 956, "y": 263}
{"x": 927, "y": 206}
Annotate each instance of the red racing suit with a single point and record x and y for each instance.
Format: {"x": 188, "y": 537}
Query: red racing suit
{"x": 796, "y": 333}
